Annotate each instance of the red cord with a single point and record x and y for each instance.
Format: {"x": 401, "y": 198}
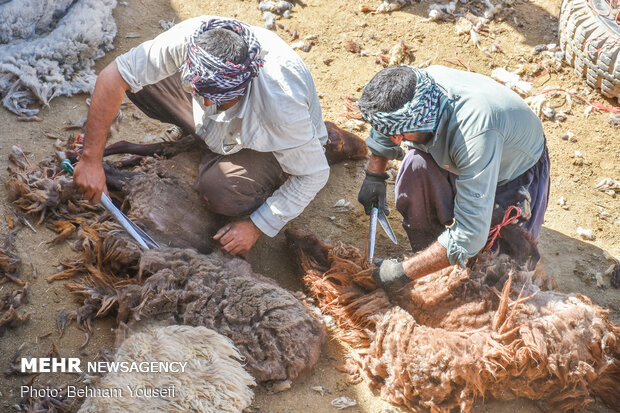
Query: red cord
{"x": 546, "y": 72}
{"x": 24, "y": 155}
{"x": 494, "y": 232}
{"x": 79, "y": 139}
{"x": 458, "y": 59}
{"x": 609, "y": 41}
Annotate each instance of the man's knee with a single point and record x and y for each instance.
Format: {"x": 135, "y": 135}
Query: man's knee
{"x": 419, "y": 165}
{"x": 230, "y": 195}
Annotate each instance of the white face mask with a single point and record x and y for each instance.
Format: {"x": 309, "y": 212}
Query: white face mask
{"x": 209, "y": 110}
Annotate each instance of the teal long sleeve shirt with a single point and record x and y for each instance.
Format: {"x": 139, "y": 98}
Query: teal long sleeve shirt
{"x": 487, "y": 136}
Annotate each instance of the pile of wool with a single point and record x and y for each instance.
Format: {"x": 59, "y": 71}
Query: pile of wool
{"x": 464, "y": 334}
{"x": 213, "y": 379}
{"x": 48, "y": 48}
{"x": 42, "y": 194}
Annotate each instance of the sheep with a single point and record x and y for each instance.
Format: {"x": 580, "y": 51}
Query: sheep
{"x": 212, "y": 381}
{"x": 463, "y": 334}
{"x": 342, "y": 145}
{"x": 277, "y": 336}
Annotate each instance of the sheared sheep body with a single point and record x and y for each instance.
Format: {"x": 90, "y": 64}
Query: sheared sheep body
{"x": 160, "y": 197}
{"x": 459, "y": 335}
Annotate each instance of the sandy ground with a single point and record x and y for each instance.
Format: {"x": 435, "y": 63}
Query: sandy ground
{"x": 572, "y": 261}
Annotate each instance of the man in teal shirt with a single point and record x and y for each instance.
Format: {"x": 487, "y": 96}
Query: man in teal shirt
{"x": 472, "y": 143}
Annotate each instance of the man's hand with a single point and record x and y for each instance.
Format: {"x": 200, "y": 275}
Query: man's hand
{"x": 372, "y": 193}
{"x": 390, "y": 275}
{"x": 239, "y": 237}
{"x": 89, "y": 179}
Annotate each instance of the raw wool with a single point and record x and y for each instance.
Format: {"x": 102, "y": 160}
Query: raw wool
{"x": 392, "y": 5}
{"x": 213, "y": 381}
{"x": 500, "y": 335}
{"x": 275, "y": 333}
{"x": 9, "y": 301}
{"x": 47, "y": 55}
{"x": 41, "y": 194}
{"x": 39, "y": 18}
{"x": 272, "y": 8}
{"x": 10, "y": 262}
{"x": 59, "y": 404}
{"x": 512, "y": 80}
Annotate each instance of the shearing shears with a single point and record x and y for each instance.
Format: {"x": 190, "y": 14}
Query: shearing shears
{"x": 132, "y": 229}
{"x": 377, "y": 214}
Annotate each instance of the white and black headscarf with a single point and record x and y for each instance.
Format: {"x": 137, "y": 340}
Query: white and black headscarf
{"x": 420, "y": 114}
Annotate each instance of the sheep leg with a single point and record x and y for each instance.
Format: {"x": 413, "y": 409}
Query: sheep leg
{"x": 129, "y": 163}
{"x": 115, "y": 178}
{"x": 167, "y": 149}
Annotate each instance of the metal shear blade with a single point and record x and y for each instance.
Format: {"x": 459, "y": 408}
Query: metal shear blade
{"x": 132, "y": 229}
{"x": 377, "y": 215}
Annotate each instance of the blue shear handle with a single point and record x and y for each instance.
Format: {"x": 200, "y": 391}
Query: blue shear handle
{"x": 66, "y": 165}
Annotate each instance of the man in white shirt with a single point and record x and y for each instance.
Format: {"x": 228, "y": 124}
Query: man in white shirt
{"x": 254, "y": 105}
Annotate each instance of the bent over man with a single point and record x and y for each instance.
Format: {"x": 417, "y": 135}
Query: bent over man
{"x": 247, "y": 95}
{"x": 471, "y": 143}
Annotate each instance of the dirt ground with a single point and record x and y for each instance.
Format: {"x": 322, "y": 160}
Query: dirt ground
{"x": 572, "y": 261}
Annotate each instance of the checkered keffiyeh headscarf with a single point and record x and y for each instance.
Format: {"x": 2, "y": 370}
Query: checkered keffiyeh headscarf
{"x": 215, "y": 79}
{"x": 420, "y": 114}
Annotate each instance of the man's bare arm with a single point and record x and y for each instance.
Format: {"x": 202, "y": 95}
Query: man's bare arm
{"x": 110, "y": 89}
{"x": 433, "y": 258}
{"x": 377, "y": 164}
{"x": 392, "y": 275}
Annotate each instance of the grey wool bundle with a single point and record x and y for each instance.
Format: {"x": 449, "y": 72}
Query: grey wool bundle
{"x": 48, "y": 48}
